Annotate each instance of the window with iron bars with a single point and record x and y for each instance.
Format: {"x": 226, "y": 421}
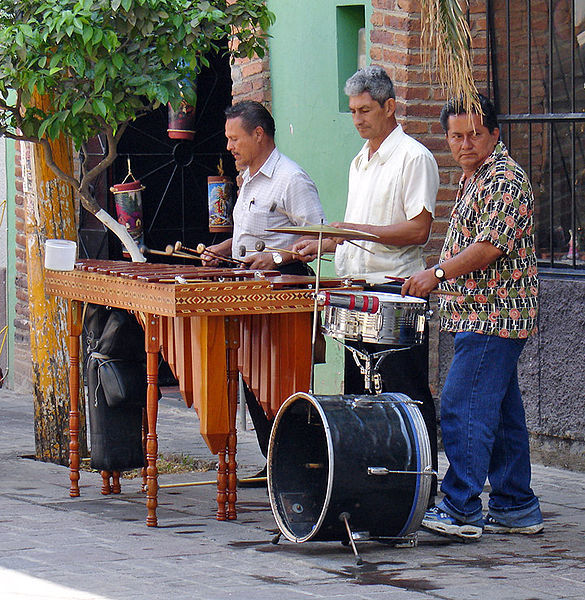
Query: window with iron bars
{"x": 537, "y": 73}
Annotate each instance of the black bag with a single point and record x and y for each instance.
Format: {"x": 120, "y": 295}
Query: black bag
{"x": 115, "y": 433}
{"x": 115, "y": 368}
{"x": 123, "y": 382}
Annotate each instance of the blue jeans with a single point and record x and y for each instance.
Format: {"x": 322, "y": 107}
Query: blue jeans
{"x": 484, "y": 430}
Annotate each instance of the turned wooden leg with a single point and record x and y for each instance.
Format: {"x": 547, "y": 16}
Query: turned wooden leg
{"x": 116, "y": 487}
{"x": 144, "y": 433}
{"x": 152, "y": 349}
{"x": 106, "y": 488}
{"x": 222, "y": 480}
{"x": 74, "y": 325}
{"x": 233, "y": 337}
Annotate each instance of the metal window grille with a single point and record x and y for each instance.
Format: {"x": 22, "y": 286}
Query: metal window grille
{"x": 536, "y": 67}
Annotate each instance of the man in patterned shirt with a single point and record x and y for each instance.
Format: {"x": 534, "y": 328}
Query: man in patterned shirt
{"x": 489, "y": 260}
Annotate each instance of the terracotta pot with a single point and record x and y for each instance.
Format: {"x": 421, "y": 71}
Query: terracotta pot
{"x": 181, "y": 122}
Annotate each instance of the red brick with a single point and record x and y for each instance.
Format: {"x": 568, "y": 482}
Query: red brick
{"x": 413, "y": 127}
{"x": 440, "y": 227}
{"x": 417, "y": 92}
{"x": 409, "y": 6}
{"x": 424, "y": 109}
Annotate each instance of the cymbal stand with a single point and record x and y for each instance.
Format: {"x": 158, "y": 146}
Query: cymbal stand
{"x": 316, "y": 310}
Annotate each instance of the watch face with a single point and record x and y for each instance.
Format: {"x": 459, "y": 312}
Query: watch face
{"x": 439, "y": 273}
{"x": 277, "y": 258}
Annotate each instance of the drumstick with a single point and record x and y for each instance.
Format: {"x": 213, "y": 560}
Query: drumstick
{"x": 170, "y": 251}
{"x": 163, "y": 252}
{"x": 180, "y": 246}
{"x": 294, "y": 218}
{"x": 260, "y": 246}
{"x": 201, "y": 249}
{"x": 435, "y": 291}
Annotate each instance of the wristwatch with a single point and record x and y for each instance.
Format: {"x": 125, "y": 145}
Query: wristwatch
{"x": 277, "y": 258}
{"x": 439, "y": 272}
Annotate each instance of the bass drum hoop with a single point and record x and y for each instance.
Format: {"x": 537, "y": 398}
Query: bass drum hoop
{"x": 330, "y": 471}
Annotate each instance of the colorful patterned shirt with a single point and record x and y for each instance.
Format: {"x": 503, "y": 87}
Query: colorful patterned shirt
{"x": 495, "y": 206}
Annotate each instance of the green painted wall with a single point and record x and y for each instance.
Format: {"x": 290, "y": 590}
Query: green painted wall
{"x": 312, "y": 51}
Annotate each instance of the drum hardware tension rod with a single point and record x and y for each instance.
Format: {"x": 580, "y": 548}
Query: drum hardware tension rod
{"x": 384, "y": 471}
{"x": 294, "y": 218}
{"x": 344, "y": 516}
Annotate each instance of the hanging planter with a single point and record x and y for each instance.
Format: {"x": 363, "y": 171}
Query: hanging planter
{"x": 128, "y": 199}
{"x": 181, "y": 122}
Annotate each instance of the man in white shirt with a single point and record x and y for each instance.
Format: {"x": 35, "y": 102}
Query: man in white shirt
{"x": 393, "y": 183}
{"x": 275, "y": 192}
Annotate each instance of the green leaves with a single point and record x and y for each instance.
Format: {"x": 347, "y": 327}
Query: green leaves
{"x": 105, "y": 62}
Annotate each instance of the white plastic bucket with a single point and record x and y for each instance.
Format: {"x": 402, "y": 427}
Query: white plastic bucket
{"x": 60, "y": 255}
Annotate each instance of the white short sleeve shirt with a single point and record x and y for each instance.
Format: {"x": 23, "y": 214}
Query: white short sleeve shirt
{"x": 394, "y": 185}
{"x": 279, "y": 194}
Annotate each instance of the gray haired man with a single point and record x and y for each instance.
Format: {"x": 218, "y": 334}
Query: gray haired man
{"x": 393, "y": 183}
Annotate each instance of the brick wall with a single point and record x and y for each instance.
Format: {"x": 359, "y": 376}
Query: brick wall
{"x": 251, "y": 80}
{"x": 22, "y": 370}
{"x": 396, "y": 45}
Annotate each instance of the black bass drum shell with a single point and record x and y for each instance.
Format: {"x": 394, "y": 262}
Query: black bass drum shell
{"x": 368, "y": 456}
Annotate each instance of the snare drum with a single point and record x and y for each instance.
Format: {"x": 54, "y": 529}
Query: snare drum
{"x": 375, "y": 317}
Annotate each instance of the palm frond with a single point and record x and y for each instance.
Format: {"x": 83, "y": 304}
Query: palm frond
{"x": 446, "y": 44}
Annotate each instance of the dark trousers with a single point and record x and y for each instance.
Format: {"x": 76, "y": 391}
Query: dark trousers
{"x": 406, "y": 371}
{"x": 261, "y": 423}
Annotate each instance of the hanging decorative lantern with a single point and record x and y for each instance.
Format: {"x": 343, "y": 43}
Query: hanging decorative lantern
{"x": 220, "y": 201}
{"x": 128, "y": 199}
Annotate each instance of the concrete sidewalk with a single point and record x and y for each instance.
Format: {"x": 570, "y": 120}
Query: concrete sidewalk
{"x": 98, "y": 547}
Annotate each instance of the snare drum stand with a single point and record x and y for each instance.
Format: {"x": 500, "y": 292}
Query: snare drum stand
{"x": 364, "y": 361}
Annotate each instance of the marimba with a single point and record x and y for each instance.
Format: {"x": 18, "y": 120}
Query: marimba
{"x": 209, "y": 323}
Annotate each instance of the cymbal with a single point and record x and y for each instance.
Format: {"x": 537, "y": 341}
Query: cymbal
{"x": 327, "y": 231}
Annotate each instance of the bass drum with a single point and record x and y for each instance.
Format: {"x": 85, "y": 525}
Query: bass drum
{"x": 368, "y": 456}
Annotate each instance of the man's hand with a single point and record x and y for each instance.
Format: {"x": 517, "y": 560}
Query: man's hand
{"x": 306, "y": 249}
{"x": 420, "y": 284}
{"x": 208, "y": 258}
{"x": 262, "y": 261}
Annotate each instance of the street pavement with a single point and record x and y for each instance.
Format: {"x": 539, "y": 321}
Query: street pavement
{"x": 98, "y": 547}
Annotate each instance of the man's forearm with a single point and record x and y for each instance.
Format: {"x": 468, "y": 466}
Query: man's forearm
{"x": 414, "y": 232}
{"x": 477, "y": 256}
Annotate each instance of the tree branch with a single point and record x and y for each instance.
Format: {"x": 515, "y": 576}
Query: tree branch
{"x": 53, "y": 166}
